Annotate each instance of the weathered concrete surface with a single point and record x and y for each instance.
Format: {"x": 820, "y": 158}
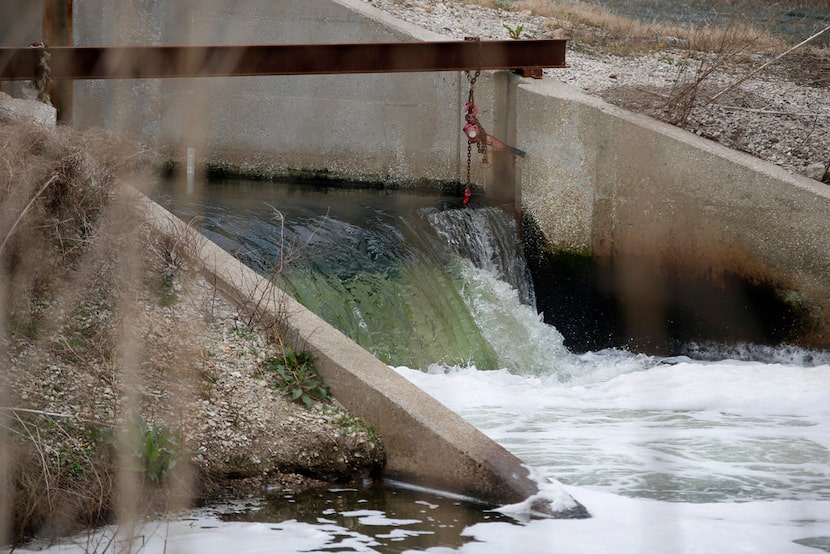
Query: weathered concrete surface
{"x": 29, "y": 110}
{"x": 21, "y": 22}
{"x": 655, "y": 200}
{"x": 426, "y": 444}
{"x": 390, "y": 128}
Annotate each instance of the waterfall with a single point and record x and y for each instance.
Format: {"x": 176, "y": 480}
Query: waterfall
{"x": 487, "y": 237}
{"x": 412, "y": 278}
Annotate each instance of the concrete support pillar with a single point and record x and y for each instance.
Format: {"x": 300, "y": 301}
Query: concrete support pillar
{"x": 504, "y": 184}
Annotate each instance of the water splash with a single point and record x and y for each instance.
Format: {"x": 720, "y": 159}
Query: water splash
{"x": 488, "y": 238}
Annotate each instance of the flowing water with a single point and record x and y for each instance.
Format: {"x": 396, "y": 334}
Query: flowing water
{"x": 669, "y": 455}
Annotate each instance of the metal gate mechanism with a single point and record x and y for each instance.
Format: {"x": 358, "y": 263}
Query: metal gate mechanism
{"x": 41, "y": 64}
{"x": 146, "y": 62}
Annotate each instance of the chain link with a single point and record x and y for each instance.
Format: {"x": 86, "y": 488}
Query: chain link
{"x": 44, "y": 72}
{"x": 469, "y": 163}
{"x": 470, "y": 100}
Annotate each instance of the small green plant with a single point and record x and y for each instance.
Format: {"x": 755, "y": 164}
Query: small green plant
{"x": 514, "y": 32}
{"x": 167, "y": 291}
{"x": 151, "y": 451}
{"x": 297, "y": 377}
{"x": 666, "y": 58}
{"x": 243, "y": 332}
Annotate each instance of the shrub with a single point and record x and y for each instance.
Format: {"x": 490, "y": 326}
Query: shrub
{"x": 297, "y": 377}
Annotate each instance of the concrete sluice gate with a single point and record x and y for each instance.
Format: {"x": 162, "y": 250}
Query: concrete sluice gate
{"x": 657, "y": 209}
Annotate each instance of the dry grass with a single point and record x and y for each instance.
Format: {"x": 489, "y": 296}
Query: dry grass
{"x": 716, "y": 52}
{"x": 53, "y": 490}
{"x": 63, "y": 231}
{"x": 710, "y": 49}
{"x": 588, "y": 24}
{"x": 594, "y": 25}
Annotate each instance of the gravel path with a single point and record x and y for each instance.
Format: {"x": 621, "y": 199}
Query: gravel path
{"x": 781, "y": 114}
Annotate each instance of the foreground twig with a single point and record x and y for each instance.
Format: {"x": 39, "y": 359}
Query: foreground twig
{"x": 775, "y": 112}
{"x": 26, "y": 209}
{"x": 772, "y": 61}
{"x": 37, "y": 412}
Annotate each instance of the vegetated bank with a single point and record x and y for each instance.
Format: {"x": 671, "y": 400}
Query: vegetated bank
{"x": 131, "y": 384}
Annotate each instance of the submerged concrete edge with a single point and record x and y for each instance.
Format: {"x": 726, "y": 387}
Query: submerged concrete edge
{"x": 427, "y": 444}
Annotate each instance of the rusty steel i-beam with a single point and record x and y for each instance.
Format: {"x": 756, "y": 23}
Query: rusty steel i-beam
{"x": 144, "y": 62}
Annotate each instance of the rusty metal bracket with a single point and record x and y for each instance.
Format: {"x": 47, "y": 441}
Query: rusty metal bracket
{"x": 143, "y": 62}
{"x": 532, "y": 72}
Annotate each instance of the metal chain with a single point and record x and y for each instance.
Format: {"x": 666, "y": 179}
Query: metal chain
{"x": 469, "y": 163}
{"x": 481, "y": 145}
{"x": 470, "y": 97}
{"x": 42, "y": 82}
{"x": 470, "y": 100}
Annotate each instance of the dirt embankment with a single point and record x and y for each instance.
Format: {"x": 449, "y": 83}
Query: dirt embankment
{"x": 129, "y": 382}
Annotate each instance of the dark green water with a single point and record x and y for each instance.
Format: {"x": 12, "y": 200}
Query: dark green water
{"x": 396, "y": 272}
{"x": 375, "y": 517}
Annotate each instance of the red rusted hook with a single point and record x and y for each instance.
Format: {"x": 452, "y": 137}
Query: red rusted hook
{"x": 476, "y": 133}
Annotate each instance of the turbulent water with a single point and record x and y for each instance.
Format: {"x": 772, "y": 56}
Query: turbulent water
{"x": 669, "y": 455}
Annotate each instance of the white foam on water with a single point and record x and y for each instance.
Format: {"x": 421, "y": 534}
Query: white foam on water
{"x": 623, "y": 525}
{"x": 683, "y": 457}
{"x": 378, "y": 518}
{"x": 210, "y": 535}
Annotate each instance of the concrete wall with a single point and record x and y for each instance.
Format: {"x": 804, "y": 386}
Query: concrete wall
{"x": 646, "y": 197}
{"x": 398, "y": 126}
{"x": 655, "y": 200}
{"x": 21, "y": 22}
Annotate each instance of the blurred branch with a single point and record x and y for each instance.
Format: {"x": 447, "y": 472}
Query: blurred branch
{"x": 772, "y": 61}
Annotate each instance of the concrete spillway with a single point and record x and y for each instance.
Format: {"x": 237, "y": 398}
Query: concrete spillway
{"x": 646, "y": 198}
{"x": 426, "y": 444}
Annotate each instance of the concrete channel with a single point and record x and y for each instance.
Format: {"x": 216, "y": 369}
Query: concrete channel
{"x": 646, "y": 199}
{"x": 645, "y": 196}
{"x": 427, "y": 445}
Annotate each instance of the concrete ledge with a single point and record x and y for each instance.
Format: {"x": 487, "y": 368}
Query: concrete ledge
{"x": 426, "y": 444}
{"x": 26, "y": 110}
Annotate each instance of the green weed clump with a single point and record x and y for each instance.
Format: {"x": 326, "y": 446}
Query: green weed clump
{"x": 514, "y": 32}
{"x": 297, "y": 378}
{"x": 152, "y": 452}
